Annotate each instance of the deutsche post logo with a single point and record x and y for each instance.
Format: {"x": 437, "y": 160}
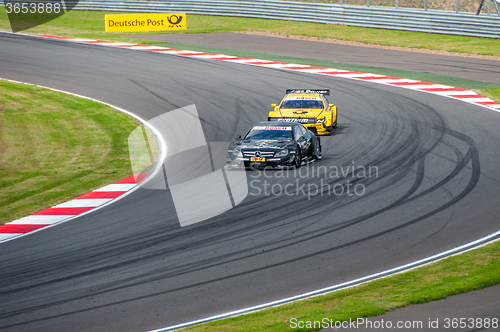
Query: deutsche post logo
{"x": 174, "y": 20}
{"x": 145, "y": 22}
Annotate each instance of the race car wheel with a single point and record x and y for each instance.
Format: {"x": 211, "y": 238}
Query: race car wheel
{"x": 297, "y": 162}
{"x": 332, "y": 128}
{"x": 317, "y": 150}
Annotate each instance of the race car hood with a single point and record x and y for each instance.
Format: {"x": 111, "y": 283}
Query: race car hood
{"x": 302, "y": 113}
{"x": 262, "y": 144}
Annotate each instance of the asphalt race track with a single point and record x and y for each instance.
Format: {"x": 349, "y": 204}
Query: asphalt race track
{"x": 131, "y": 267}
{"x": 468, "y": 68}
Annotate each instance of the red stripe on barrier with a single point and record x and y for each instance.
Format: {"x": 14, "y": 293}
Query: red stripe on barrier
{"x": 101, "y": 194}
{"x": 333, "y": 72}
{"x": 192, "y": 54}
{"x": 260, "y": 63}
{"x": 444, "y": 89}
{"x": 413, "y": 83}
{"x": 222, "y": 57}
{"x": 488, "y": 102}
{"x": 95, "y": 41}
{"x": 309, "y": 67}
{"x": 276, "y": 63}
{"x": 128, "y": 45}
{"x": 467, "y": 96}
{"x": 381, "y": 78}
{"x": 133, "y": 179}
{"x": 71, "y": 211}
{"x": 348, "y": 72}
{"x": 18, "y": 228}
{"x": 240, "y": 58}
{"x": 211, "y": 54}
{"x": 159, "y": 49}
{"x": 56, "y": 37}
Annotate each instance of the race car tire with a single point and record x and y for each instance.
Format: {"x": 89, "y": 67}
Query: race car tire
{"x": 297, "y": 162}
{"x": 332, "y": 128}
{"x": 317, "y": 150}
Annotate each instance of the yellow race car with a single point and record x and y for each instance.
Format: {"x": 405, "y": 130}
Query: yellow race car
{"x": 308, "y": 107}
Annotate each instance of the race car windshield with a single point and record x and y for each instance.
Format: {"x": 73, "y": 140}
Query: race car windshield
{"x": 269, "y": 134}
{"x": 300, "y": 103}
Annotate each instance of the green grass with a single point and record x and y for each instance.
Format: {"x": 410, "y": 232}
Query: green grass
{"x": 54, "y": 147}
{"x": 90, "y": 24}
{"x": 490, "y": 93}
{"x": 472, "y": 270}
{"x": 470, "y": 6}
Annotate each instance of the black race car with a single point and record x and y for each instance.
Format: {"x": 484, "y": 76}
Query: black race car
{"x": 274, "y": 144}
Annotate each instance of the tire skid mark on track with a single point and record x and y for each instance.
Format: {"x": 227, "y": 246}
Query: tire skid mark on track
{"x": 407, "y": 143}
{"x": 183, "y": 269}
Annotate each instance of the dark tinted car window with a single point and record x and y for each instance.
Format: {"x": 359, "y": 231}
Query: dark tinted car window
{"x": 270, "y": 134}
{"x": 297, "y": 103}
{"x": 297, "y": 132}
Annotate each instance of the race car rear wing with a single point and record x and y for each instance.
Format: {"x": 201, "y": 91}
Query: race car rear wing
{"x": 321, "y": 92}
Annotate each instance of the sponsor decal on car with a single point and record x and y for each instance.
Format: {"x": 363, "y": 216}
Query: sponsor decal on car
{"x": 294, "y": 120}
{"x": 321, "y": 92}
{"x": 302, "y": 98}
{"x": 272, "y": 128}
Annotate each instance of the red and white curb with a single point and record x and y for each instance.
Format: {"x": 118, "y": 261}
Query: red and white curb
{"x": 439, "y": 89}
{"x": 63, "y": 212}
{"x": 88, "y": 202}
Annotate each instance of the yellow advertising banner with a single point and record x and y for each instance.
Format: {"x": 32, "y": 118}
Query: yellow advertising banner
{"x": 145, "y": 22}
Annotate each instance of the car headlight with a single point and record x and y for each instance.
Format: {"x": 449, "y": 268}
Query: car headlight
{"x": 237, "y": 152}
{"x": 282, "y": 153}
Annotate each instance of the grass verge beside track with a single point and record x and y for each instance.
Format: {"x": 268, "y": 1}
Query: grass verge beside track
{"x": 54, "y": 147}
{"x": 490, "y": 93}
{"x": 90, "y": 24}
{"x": 472, "y": 270}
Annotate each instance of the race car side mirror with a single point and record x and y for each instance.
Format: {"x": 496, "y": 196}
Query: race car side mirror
{"x": 273, "y": 105}
{"x": 332, "y": 105}
{"x": 238, "y": 138}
